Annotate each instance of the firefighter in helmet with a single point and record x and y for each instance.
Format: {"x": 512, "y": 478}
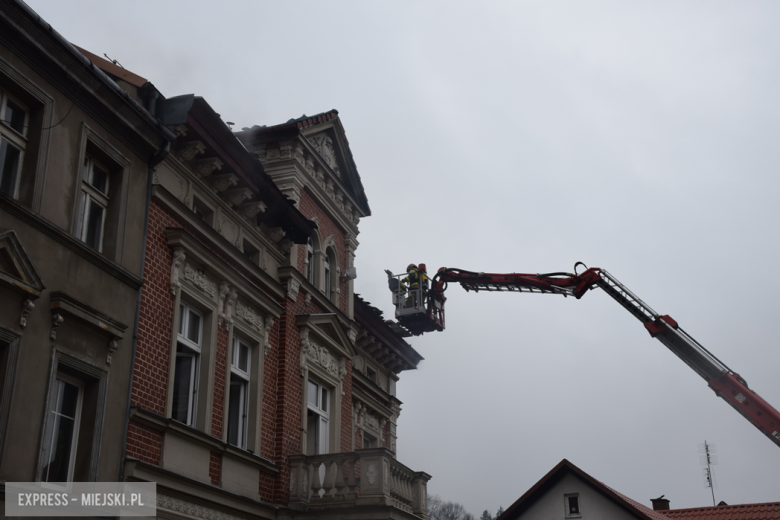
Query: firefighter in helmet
{"x": 415, "y": 278}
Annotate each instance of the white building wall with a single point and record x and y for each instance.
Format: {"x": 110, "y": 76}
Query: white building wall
{"x": 593, "y": 505}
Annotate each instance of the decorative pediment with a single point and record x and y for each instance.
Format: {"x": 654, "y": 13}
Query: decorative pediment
{"x": 327, "y": 330}
{"x": 16, "y": 269}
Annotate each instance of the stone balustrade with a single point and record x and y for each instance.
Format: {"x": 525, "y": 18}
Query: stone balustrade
{"x": 360, "y": 478}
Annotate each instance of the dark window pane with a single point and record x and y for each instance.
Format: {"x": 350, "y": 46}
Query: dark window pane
{"x": 324, "y": 404}
{"x": 574, "y": 505}
{"x": 9, "y": 162}
{"x": 181, "y": 388}
{"x": 94, "y": 224}
{"x": 181, "y": 318}
{"x": 243, "y": 357}
{"x": 234, "y": 412}
{"x": 193, "y": 328}
{"x": 99, "y": 179}
{"x": 59, "y": 440}
{"x": 14, "y": 116}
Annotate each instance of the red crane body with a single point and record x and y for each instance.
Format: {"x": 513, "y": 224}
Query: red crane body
{"x": 422, "y": 310}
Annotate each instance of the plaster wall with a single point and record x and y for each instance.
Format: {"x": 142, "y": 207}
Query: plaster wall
{"x": 593, "y": 504}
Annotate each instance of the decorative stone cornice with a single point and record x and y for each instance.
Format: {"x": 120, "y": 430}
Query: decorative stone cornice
{"x": 191, "y": 149}
{"x": 183, "y": 507}
{"x": 204, "y": 167}
{"x": 249, "y": 210}
{"x": 222, "y": 182}
{"x": 236, "y": 196}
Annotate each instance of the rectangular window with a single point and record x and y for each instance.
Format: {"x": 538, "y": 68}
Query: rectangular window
{"x": 203, "y": 211}
{"x": 318, "y": 417}
{"x": 239, "y": 393}
{"x": 94, "y": 203}
{"x": 60, "y": 441}
{"x": 572, "y": 503}
{"x": 251, "y": 252}
{"x": 14, "y": 118}
{"x": 188, "y": 349}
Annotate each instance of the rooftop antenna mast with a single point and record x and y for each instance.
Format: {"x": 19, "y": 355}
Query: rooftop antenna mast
{"x": 708, "y": 459}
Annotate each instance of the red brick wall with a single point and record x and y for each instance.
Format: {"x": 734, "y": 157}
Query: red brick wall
{"x": 282, "y": 389}
{"x": 143, "y": 443}
{"x": 326, "y": 227}
{"x": 215, "y": 467}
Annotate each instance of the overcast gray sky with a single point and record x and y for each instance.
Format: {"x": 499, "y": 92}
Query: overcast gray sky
{"x": 523, "y": 137}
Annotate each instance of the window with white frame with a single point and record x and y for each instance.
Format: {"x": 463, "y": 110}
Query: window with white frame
{"x": 188, "y": 350}
{"x": 14, "y": 118}
{"x": 94, "y": 202}
{"x": 62, "y": 431}
{"x": 240, "y": 376}
{"x": 317, "y": 419}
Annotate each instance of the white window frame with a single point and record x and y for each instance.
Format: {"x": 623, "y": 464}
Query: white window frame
{"x": 244, "y": 376}
{"x": 76, "y": 421}
{"x": 89, "y": 193}
{"x": 13, "y": 137}
{"x": 321, "y": 434}
{"x": 195, "y": 350}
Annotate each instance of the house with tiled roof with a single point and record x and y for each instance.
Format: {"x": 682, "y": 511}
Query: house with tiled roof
{"x": 766, "y": 511}
{"x": 567, "y": 492}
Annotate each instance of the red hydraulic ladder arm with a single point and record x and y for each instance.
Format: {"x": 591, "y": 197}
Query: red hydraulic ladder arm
{"x": 726, "y": 383}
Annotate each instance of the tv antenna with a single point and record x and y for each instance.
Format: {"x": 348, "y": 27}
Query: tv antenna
{"x": 708, "y": 459}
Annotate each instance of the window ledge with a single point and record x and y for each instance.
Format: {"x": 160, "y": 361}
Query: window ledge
{"x": 68, "y": 304}
{"x": 166, "y": 424}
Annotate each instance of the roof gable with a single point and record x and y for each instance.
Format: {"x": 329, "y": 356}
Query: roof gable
{"x": 564, "y": 468}
{"x": 330, "y": 141}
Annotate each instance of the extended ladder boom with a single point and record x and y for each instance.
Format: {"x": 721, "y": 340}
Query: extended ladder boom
{"x": 726, "y": 383}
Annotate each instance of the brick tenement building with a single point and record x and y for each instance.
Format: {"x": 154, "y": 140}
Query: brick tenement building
{"x": 263, "y": 386}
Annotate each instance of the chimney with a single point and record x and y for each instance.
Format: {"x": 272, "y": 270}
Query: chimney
{"x": 660, "y": 503}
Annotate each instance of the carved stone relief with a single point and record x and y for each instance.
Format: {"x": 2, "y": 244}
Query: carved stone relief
{"x": 231, "y": 305}
{"x": 269, "y": 324}
{"x": 27, "y": 307}
{"x": 56, "y": 321}
{"x": 224, "y": 289}
{"x": 250, "y": 316}
{"x": 372, "y": 473}
{"x": 183, "y": 507}
{"x": 113, "y": 345}
{"x": 311, "y": 352}
{"x": 293, "y": 286}
{"x": 176, "y": 264}
{"x": 199, "y": 280}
